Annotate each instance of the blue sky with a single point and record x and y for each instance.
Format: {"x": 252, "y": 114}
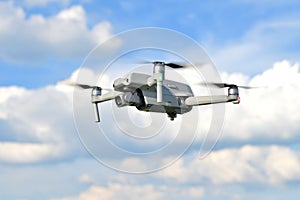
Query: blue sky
{"x": 216, "y": 26}
{"x": 251, "y": 42}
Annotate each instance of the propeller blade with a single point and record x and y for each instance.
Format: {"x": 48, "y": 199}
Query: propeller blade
{"x": 175, "y": 66}
{"x": 172, "y": 65}
{"x": 248, "y": 87}
{"x": 144, "y": 62}
{"x": 218, "y": 85}
{"x": 82, "y": 86}
{"x": 224, "y": 85}
{"x": 86, "y": 86}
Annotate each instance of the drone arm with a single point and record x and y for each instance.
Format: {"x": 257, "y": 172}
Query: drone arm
{"x": 204, "y": 100}
{"x": 102, "y": 98}
{"x": 105, "y": 97}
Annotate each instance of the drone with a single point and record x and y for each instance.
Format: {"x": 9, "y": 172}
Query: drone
{"x": 154, "y": 93}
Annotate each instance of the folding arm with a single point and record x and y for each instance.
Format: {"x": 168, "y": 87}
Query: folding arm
{"x": 105, "y": 97}
{"x": 102, "y": 98}
{"x": 204, "y": 100}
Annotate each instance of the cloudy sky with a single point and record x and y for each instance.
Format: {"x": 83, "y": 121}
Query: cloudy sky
{"x": 44, "y": 43}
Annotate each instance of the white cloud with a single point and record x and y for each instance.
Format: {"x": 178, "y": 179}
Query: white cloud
{"x": 283, "y": 74}
{"x": 274, "y": 165}
{"x": 6, "y": 93}
{"x": 266, "y": 115}
{"x": 13, "y": 152}
{"x": 118, "y": 191}
{"x": 40, "y": 125}
{"x": 42, "y": 130}
{"x": 64, "y": 35}
{"x": 269, "y": 114}
{"x": 37, "y": 125}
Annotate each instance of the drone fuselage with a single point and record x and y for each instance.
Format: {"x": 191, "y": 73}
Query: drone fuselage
{"x": 139, "y": 90}
{"x": 144, "y": 92}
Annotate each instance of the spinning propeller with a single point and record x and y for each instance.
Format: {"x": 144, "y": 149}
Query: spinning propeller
{"x": 172, "y": 65}
{"x": 86, "y": 86}
{"x": 224, "y": 85}
{"x": 82, "y": 86}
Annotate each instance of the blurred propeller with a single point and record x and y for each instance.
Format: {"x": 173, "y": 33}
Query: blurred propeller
{"x": 175, "y": 66}
{"x": 224, "y": 85}
{"x": 172, "y": 65}
{"x": 82, "y": 86}
{"x": 86, "y": 86}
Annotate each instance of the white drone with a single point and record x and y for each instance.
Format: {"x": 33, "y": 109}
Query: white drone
{"x": 156, "y": 94}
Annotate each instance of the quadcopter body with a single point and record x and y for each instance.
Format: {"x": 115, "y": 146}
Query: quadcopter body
{"x": 155, "y": 94}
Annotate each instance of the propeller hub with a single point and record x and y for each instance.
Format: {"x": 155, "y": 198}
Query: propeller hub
{"x": 97, "y": 91}
{"x": 233, "y": 90}
{"x": 158, "y": 63}
{"x": 159, "y": 67}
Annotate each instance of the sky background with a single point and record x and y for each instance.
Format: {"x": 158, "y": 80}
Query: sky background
{"x": 251, "y": 42}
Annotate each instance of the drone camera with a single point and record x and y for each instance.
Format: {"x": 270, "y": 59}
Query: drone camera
{"x": 120, "y": 101}
{"x": 128, "y": 99}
